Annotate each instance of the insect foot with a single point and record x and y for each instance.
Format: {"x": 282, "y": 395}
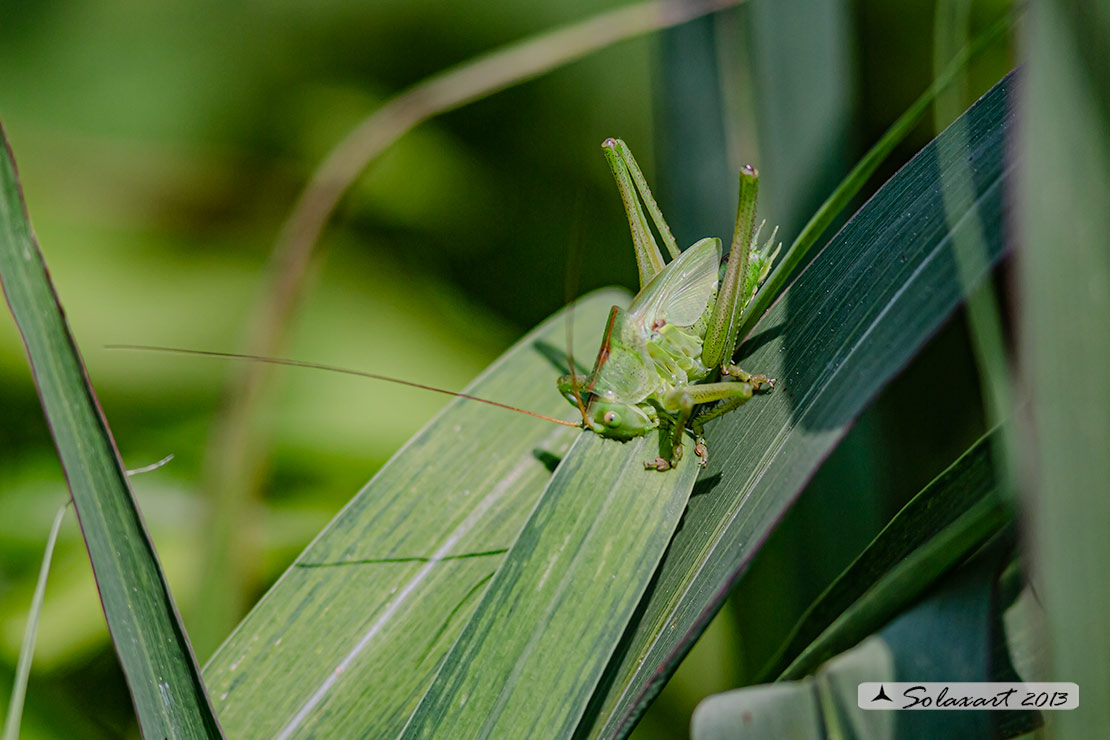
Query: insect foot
{"x": 762, "y": 383}
{"x": 702, "y": 452}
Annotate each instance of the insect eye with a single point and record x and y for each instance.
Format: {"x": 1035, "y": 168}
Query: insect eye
{"x": 611, "y": 418}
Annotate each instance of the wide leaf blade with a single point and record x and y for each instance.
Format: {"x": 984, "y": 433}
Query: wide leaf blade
{"x": 350, "y": 638}
{"x": 157, "y": 661}
{"x": 527, "y": 663}
{"x": 851, "y": 321}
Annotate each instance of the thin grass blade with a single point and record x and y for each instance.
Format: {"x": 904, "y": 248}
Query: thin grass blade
{"x": 153, "y": 649}
{"x": 27, "y": 650}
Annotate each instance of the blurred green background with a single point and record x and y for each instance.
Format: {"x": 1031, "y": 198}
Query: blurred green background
{"x": 162, "y": 145}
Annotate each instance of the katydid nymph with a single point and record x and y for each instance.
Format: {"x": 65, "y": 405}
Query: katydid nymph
{"x": 666, "y": 361}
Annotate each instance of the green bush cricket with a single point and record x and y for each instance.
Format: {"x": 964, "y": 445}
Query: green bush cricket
{"x": 671, "y": 350}
{"x": 668, "y": 353}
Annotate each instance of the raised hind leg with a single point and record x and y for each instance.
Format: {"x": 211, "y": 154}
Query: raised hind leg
{"x": 633, "y": 188}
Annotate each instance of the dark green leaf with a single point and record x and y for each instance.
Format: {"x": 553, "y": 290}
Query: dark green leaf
{"x": 937, "y": 529}
{"x": 153, "y": 650}
{"x": 949, "y": 637}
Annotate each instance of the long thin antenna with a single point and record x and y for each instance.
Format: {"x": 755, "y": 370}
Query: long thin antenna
{"x": 332, "y": 369}
{"x": 570, "y": 288}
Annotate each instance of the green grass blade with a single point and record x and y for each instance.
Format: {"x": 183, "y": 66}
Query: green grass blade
{"x": 370, "y": 609}
{"x": 527, "y": 663}
{"x": 154, "y": 652}
{"x": 718, "y": 110}
{"x": 1065, "y": 300}
{"x": 699, "y": 191}
{"x": 27, "y": 650}
{"x": 851, "y": 321}
{"x": 943, "y": 524}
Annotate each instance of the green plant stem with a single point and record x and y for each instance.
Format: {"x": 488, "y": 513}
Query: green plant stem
{"x": 1063, "y": 269}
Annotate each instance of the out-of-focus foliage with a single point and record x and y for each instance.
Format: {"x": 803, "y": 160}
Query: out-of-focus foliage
{"x": 1066, "y": 284}
{"x": 162, "y": 147}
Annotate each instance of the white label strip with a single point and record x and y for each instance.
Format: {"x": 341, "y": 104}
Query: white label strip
{"x": 963, "y": 695}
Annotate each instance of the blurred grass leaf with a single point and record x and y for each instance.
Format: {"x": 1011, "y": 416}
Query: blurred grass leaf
{"x": 802, "y": 157}
{"x": 154, "y": 652}
{"x": 708, "y": 132}
{"x": 370, "y": 609}
{"x": 849, "y": 322}
{"x": 1065, "y": 288}
{"x": 944, "y": 523}
{"x": 699, "y": 189}
{"x": 527, "y": 662}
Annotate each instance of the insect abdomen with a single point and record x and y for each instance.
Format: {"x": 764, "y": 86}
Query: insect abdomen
{"x": 676, "y": 353}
